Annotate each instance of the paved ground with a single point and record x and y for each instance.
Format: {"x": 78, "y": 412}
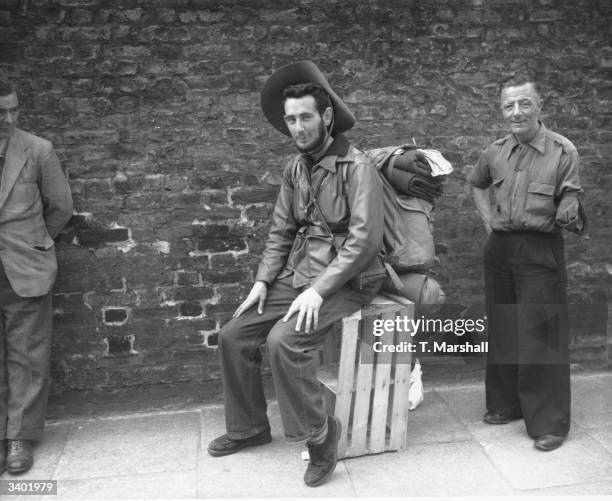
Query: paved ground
{"x": 451, "y": 452}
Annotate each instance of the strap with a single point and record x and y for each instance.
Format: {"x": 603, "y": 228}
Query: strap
{"x": 397, "y": 282}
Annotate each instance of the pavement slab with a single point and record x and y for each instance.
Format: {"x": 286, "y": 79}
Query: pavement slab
{"x": 457, "y": 469}
{"x": 446, "y": 426}
{"x": 133, "y": 445}
{"x": 592, "y": 400}
{"x": 581, "y": 459}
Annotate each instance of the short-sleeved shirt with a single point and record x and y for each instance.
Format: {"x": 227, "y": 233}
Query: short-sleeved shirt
{"x": 528, "y": 180}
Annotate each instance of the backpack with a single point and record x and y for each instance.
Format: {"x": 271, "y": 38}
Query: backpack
{"x": 408, "y": 243}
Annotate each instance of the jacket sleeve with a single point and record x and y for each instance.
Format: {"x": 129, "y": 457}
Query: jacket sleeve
{"x": 54, "y": 191}
{"x": 365, "y": 231}
{"x": 282, "y": 231}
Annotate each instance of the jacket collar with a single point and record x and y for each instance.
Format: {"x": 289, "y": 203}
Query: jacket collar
{"x": 337, "y": 151}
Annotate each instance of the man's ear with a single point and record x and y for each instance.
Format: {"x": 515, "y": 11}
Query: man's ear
{"x": 328, "y": 116}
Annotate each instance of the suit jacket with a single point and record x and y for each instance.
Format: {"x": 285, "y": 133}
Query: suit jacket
{"x": 35, "y": 204}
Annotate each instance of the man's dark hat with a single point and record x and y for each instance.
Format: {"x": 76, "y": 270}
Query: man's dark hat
{"x": 294, "y": 73}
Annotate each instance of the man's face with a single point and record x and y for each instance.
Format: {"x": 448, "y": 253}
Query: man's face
{"x": 9, "y": 112}
{"x": 521, "y": 108}
{"x": 306, "y": 125}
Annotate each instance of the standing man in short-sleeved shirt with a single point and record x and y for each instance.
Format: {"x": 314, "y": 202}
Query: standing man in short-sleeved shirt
{"x": 533, "y": 174}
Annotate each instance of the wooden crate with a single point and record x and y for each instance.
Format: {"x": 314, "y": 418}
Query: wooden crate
{"x": 368, "y": 391}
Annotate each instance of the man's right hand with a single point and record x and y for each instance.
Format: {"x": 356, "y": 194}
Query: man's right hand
{"x": 258, "y": 295}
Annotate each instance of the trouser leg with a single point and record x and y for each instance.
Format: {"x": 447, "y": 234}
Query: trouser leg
{"x": 294, "y": 358}
{"x": 240, "y": 341}
{"x": 544, "y": 376}
{"x": 26, "y": 343}
{"x": 501, "y": 376}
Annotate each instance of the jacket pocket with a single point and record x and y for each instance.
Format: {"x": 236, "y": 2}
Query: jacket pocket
{"x": 540, "y": 199}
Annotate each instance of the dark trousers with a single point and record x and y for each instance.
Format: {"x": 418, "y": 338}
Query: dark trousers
{"x": 528, "y": 362}
{"x": 293, "y": 359}
{"x": 25, "y": 352}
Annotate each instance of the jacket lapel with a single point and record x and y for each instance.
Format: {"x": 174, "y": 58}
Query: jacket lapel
{"x": 13, "y": 163}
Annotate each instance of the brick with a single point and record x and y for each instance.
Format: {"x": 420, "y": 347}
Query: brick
{"x": 115, "y": 315}
{"x": 119, "y": 345}
{"x": 190, "y": 309}
{"x": 98, "y": 237}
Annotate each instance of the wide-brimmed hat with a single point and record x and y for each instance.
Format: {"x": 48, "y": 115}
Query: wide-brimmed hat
{"x": 294, "y": 73}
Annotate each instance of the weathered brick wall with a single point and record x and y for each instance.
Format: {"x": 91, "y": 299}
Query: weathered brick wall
{"x": 154, "y": 109}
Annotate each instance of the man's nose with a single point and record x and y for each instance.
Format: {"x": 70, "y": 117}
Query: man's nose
{"x": 299, "y": 125}
{"x": 7, "y": 117}
{"x": 516, "y": 109}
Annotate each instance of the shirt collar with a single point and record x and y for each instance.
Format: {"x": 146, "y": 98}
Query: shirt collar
{"x": 538, "y": 141}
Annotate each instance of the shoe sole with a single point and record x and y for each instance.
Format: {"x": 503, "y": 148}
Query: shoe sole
{"x": 15, "y": 471}
{"x": 254, "y": 443}
{"x": 489, "y": 421}
{"x": 337, "y": 438}
{"x": 547, "y": 449}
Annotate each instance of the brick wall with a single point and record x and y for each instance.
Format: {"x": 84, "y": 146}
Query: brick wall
{"x": 154, "y": 109}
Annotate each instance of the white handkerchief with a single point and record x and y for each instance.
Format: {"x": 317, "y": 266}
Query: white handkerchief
{"x": 439, "y": 165}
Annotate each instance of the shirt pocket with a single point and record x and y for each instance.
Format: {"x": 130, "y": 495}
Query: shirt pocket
{"x": 540, "y": 199}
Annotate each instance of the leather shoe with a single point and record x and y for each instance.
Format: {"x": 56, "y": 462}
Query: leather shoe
{"x": 19, "y": 457}
{"x": 548, "y": 442}
{"x": 224, "y": 445}
{"x": 324, "y": 457}
{"x": 495, "y": 418}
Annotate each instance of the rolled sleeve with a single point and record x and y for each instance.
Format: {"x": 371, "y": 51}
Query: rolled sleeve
{"x": 480, "y": 177}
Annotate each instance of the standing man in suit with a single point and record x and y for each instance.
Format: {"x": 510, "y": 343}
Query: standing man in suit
{"x": 35, "y": 204}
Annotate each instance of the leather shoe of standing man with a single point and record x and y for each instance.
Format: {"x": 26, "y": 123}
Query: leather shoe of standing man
{"x": 19, "y": 457}
{"x": 548, "y": 443}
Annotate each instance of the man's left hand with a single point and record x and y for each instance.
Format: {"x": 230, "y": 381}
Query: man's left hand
{"x": 307, "y": 304}
{"x": 568, "y": 213}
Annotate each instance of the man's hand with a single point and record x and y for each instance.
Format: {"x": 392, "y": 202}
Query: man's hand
{"x": 308, "y": 304}
{"x": 481, "y": 200}
{"x": 568, "y": 213}
{"x": 258, "y": 294}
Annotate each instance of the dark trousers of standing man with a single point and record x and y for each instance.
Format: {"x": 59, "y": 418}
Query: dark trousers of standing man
{"x": 528, "y": 362}
{"x": 25, "y": 352}
{"x": 293, "y": 356}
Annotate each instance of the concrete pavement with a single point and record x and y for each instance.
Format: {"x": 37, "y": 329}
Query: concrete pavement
{"x": 450, "y": 452}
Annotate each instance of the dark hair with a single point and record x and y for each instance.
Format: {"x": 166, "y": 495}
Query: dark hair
{"x": 7, "y": 87}
{"x": 309, "y": 89}
{"x": 521, "y": 78}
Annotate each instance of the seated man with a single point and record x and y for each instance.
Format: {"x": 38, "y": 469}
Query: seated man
{"x": 319, "y": 264}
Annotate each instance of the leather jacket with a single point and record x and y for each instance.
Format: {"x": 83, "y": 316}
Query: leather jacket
{"x": 336, "y": 240}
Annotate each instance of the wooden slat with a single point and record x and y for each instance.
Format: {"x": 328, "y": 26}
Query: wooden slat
{"x": 382, "y": 381}
{"x": 363, "y": 391}
{"x": 401, "y": 385}
{"x": 346, "y": 377}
